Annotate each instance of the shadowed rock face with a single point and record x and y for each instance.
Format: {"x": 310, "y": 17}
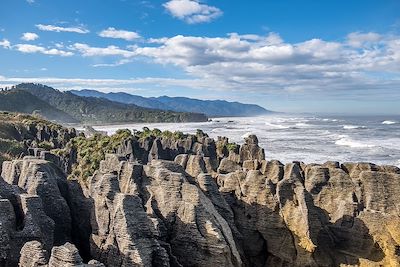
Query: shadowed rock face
{"x": 191, "y": 203}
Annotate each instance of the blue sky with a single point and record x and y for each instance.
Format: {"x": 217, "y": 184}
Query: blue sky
{"x": 297, "y": 56}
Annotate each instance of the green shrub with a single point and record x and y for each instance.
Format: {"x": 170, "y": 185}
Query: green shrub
{"x": 91, "y": 151}
{"x": 11, "y": 147}
{"x": 46, "y": 145}
{"x": 232, "y": 146}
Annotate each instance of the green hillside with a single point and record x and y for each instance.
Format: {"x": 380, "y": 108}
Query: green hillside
{"x": 24, "y": 102}
{"x": 99, "y": 110}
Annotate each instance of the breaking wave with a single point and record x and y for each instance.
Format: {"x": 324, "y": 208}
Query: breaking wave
{"x": 388, "y": 122}
{"x": 345, "y": 140}
{"x": 351, "y": 127}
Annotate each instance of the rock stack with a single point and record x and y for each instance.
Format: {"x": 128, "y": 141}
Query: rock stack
{"x": 194, "y": 202}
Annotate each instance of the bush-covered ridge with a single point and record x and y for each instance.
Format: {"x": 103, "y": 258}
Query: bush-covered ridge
{"x": 24, "y": 102}
{"x": 98, "y": 110}
{"x": 92, "y": 150}
{"x": 18, "y": 131}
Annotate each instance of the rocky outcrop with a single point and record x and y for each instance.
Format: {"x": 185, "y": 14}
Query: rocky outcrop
{"x": 193, "y": 202}
{"x": 42, "y": 178}
{"x": 192, "y": 221}
{"x": 22, "y": 219}
{"x": 66, "y": 255}
{"x": 250, "y": 150}
{"x": 34, "y": 255}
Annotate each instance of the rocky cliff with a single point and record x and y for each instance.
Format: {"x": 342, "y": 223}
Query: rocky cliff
{"x": 195, "y": 201}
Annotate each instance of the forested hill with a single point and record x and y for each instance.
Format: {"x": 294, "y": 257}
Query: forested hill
{"x": 24, "y": 102}
{"x": 99, "y": 110}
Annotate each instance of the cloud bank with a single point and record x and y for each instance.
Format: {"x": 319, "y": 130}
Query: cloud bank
{"x": 359, "y": 65}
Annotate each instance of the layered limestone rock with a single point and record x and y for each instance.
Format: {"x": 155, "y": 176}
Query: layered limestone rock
{"x": 42, "y": 178}
{"x": 250, "y": 149}
{"x": 122, "y": 234}
{"x": 33, "y": 255}
{"x": 22, "y": 219}
{"x": 194, "y": 202}
{"x": 192, "y": 221}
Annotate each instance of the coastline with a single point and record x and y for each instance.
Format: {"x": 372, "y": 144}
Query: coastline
{"x": 308, "y": 138}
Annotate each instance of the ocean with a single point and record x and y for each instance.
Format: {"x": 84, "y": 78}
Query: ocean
{"x": 307, "y": 138}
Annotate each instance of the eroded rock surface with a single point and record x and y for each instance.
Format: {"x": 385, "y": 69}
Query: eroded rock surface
{"x": 194, "y": 202}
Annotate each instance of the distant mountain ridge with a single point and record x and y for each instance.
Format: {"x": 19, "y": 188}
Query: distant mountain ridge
{"x": 212, "y": 108}
{"x": 92, "y": 110}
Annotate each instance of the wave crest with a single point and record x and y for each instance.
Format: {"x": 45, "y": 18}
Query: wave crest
{"x": 388, "y": 122}
{"x": 345, "y": 140}
{"x": 351, "y": 127}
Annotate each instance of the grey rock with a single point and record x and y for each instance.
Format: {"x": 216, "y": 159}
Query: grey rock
{"x": 228, "y": 166}
{"x": 33, "y": 255}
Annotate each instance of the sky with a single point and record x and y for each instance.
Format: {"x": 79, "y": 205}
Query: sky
{"x": 331, "y": 56}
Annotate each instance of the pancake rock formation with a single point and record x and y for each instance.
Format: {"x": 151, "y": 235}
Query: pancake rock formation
{"x": 197, "y": 201}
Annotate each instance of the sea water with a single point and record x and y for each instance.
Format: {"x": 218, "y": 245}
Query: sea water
{"x": 304, "y": 138}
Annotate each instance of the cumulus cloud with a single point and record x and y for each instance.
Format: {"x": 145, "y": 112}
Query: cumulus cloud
{"x": 89, "y": 51}
{"x": 357, "y": 39}
{"x": 119, "y": 34}
{"x": 30, "y": 49}
{"x": 192, "y": 11}
{"x": 29, "y": 36}
{"x": 265, "y": 63}
{"x": 5, "y": 44}
{"x": 359, "y": 64}
{"x": 53, "y": 28}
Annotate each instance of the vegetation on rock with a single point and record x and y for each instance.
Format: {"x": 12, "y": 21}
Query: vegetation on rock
{"x": 18, "y": 132}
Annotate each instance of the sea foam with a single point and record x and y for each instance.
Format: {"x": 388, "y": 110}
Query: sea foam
{"x": 345, "y": 140}
{"x": 351, "y": 127}
{"x": 388, "y": 122}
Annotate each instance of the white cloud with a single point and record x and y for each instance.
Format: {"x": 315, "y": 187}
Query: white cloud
{"x": 30, "y": 49}
{"x": 89, "y": 51}
{"x": 127, "y": 84}
{"x": 192, "y": 11}
{"x": 267, "y": 63}
{"x": 30, "y": 1}
{"x": 359, "y": 64}
{"x": 115, "y": 64}
{"x": 29, "y": 36}
{"x": 119, "y": 34}
{"x": 53, "y": 28}
{"x": 358, "y": 39}
{"x": 5, "y": 44}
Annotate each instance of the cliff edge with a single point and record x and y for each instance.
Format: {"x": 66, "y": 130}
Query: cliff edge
{"x": 156, "y": 199}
